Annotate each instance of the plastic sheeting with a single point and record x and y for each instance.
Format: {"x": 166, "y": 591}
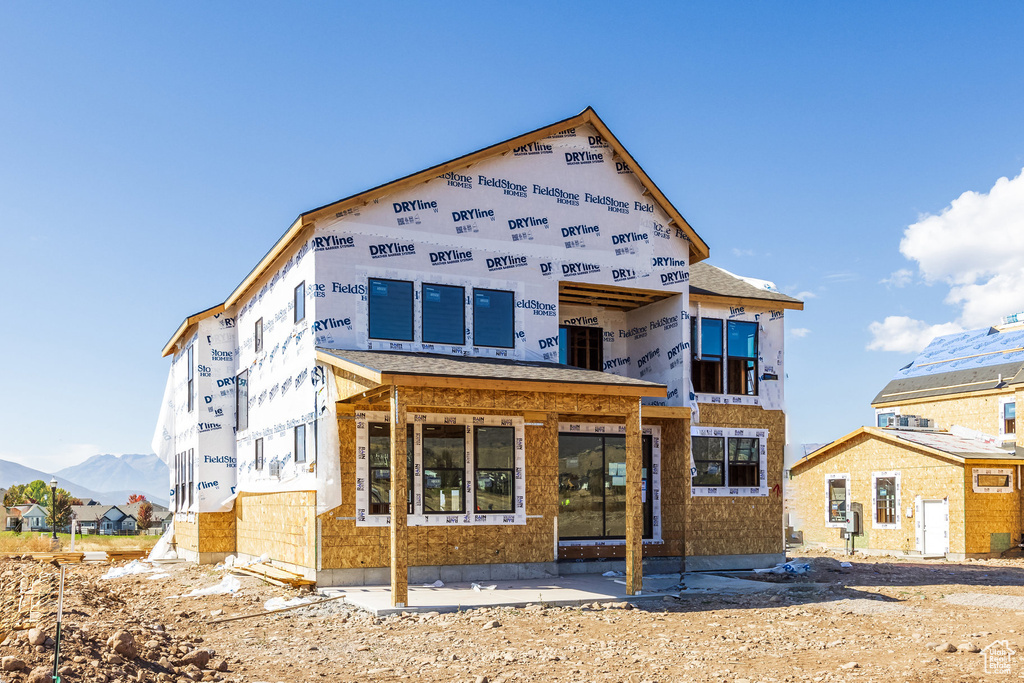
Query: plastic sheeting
{"x": 966, "y": 351}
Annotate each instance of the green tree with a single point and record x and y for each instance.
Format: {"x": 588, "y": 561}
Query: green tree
{"x": 15, "y": 496}
{"x": 59, "y": 514}
{"x": 37, "y": 491}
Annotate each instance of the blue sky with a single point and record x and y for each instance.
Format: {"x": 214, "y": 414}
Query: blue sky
{"x": 151, "y": 153}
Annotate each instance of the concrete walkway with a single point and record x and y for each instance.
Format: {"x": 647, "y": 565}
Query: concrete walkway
{"x": 569, "y": 590}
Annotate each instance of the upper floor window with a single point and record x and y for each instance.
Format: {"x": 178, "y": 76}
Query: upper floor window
{"x": 706, "y": 363}
{"x": 258, "y": 335}
{"x": 259, "y": 455}
{"x": 742, "y": 358}
{"x": 581, "y": 347}
{"x": 242, "y": 401}
{"x": 300, "y": 301}
{"x": 300, "y": 443}
{"x": 191, "y": 379}
{"x": 390, "y": 309}
{"x": 444, "y": 314}
{"x": 1009, "y": 418}
{"x": 493, "y": 318}
{"x": 883, "y": 418}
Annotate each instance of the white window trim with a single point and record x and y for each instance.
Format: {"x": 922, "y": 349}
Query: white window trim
{"x": 759, "y": 491}
{"x": 418, "y": 517}
{"x": 875, "y": 476}
{"x": 1003, "y": 401}
{"x": 828, "y": 500}
{"x": 975, "y": 471}
{"x": 880, "y": 411}
{"x": 605, "y": 428}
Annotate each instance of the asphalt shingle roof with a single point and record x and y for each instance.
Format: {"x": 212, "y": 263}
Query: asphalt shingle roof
{"x": 708, "y": 279}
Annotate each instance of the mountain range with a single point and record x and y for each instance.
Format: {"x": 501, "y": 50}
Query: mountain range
{"x": 107, "y": 478}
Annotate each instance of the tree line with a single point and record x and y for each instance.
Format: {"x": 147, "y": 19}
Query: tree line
{"x": 58, "y": 509}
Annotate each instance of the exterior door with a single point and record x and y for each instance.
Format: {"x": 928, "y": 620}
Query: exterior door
{"x": 936, "y": 527}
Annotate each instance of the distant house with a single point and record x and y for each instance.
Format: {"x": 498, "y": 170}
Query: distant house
{"x": 34, "y": 516}
{"x": 161, "y": 517}
{"x": 9, "y": 517}
{"x": 103, "y": 519}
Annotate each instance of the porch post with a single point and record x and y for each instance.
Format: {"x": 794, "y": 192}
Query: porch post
{"x": 399, "y": 509}
{"x": 634, "y": 506}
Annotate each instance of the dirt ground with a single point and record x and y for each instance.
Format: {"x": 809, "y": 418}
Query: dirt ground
{"x": 883, "y": 619}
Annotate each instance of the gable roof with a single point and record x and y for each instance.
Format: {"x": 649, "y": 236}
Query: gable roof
{"x": 708, "y": 282}
{"x": 93, "y": 513}
{"x": 946, "y": 445}
{"x": 698, "y": 248}
{"x": 984, "y": 359}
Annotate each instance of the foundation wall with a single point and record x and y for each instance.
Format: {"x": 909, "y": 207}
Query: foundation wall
{"x": 737, "y": 525}
{"x": 920, "y": 475}
{"x": 282, "y": 525}
{"x": 993, "y": 520}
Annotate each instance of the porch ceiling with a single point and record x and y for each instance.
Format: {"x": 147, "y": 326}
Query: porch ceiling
{"x": 608, "y": 296}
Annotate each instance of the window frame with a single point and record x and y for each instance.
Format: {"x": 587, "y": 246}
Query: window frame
{"x": 1008, "y": 425}
{"x": 699, "y": 360}
{"x": 385, "y": 508}
{"x": 721, "y": 461}
{"x": 423, "y": 314}
{"x": 258, "y": 455}
{"x": 299, "y": 442}
{"x": 730, "y": 488}
{"x": 191, "y": 377}
{"x": 512, "y": 314}
{"x": 876, "y": 502}
{"x": 830, "y": 520}
{"x": 574, "y": 345}
{"x": 299, "y": 301}
{"x": 754, "y": 389}
{"x": 732, "y": 462}
{"x": 509, "y": 470}
{"x": 369, "y": 309}
{"x": 463, "y": 470}
{"x": 191, "y": 476}
{"x": 978, "y": 487}
{"x": 241, "y": 407}
{"x": 258, "y": 336}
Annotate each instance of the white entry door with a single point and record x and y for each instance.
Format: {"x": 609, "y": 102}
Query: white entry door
{"x": 936, "y": 527}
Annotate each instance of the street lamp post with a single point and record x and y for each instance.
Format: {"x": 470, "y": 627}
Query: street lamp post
{"x": 53, "y": 508}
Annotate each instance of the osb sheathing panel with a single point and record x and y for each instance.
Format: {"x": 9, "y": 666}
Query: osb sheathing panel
{"x": 280, "y": 524}
{"x": 738, "y": 525}
{"x": 344, "y": 545}
{"x": 976, "y": 412}
{"x": 920, "y": 475}
{"x": 675, "y": 478}
{"x": 186, "y": 535}
{"x": 990, "y": 513}
{"x": 349, "y": 384}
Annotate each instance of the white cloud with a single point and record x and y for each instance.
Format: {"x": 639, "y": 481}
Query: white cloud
{"x": 803, "y": 296}
{"x": 742, "y": 252}
{"x": 906, "y": 335}
{"x": 842, "y": 277}
{"x": 975, "y": 246}
{"x": 900, "y": 278}
{"x": 800, "y": 332}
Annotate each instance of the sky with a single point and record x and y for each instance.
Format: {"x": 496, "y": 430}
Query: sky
{"x": 866, "y": 157}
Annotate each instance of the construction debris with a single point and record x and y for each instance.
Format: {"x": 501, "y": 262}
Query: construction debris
{"x": 273, "y": 575}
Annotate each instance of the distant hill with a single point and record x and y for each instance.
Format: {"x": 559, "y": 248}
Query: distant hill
{"x": 145, "y": 474}
{"x": 13, "y": 473}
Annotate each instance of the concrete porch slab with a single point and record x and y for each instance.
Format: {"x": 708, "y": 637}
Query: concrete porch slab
{"x": 571, "y": 590}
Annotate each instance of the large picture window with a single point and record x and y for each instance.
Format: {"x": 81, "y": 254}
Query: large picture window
{"x": 742, "y": 349}
{"x": 493, "y": 318}
{"x": 390, "y": 309}
{"x": 592, "y": 486}
{"x": 494, "y": 448}
{"x": 706, "y": 366}
{"x": 444, "y": 469}
{"x": 380, "y": 467}
{"x": 444, "y": 314}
